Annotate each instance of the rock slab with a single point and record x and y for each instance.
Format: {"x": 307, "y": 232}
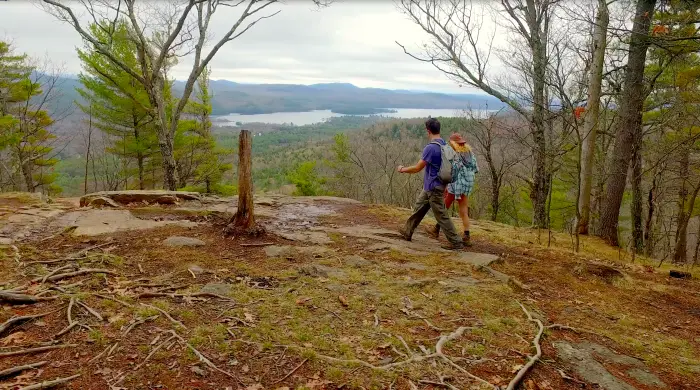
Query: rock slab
{"x": 581, "y": 357}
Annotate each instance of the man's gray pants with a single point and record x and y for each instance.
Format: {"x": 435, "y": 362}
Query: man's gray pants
{"x": 433, "y": 200}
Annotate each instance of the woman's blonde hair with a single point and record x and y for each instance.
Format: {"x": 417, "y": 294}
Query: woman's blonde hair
{"x": 460, "y": 148}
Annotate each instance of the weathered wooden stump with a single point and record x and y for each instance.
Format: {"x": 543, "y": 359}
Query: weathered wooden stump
{"x": 243, "y": 222}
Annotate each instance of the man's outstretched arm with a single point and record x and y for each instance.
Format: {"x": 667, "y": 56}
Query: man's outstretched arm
{"x": 412, "y": 169}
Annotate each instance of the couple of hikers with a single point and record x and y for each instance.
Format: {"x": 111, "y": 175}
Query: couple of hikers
{"x": 442, "y": 185}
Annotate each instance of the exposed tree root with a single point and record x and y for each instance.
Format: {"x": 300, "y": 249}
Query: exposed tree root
{"x": 203, "y": 358}
{"x": 49, "y": 384}
{"x": 136, "y": 323}
{"x": 168, "y": 316}
{"x": 44, "y": 278}
{"x": 291, "y": 372}
{"x": 90, "y": 310}
{"x": 159, "y": 346}
{"x": 192, "y": 295}
{"x": 80, "y": 272}
{"x": 14, "y": 321}
{"x": 13, "y": 298}
{"x": 71, "y": 324}
{"x": 16, "y": 370}
{"x": 126, "y": 304}
{"x": 533, "y": 359}
{"x": 30, "y": 351}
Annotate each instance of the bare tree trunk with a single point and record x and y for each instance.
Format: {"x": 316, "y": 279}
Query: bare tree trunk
{"x": 87, "y": 152}
{"x": 590, "y": 124}
{"x": 636, "y": 207}
{"x": 244, "y": 219}
{"x": 539, "y": 61}
{"x": 648, "y": 235}
{"x": 697, "y": 245}
{"x": 630, "y": 121}
{"x": 166, "y": 140}
{"x": 680, "y": 252}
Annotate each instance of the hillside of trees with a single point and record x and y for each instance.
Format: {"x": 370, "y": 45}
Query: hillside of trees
{"x": 599, "y": 135}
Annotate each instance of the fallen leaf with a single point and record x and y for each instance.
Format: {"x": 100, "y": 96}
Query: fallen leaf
{"x": 14, "y": 338}
{"x": 249, "y": 317}
{"x": 343, "y": 300}
{"x": 245, "y": 368}
{"x": 256, "y": 386}
{"x": 198, "y": 371}
{"x": 516, "y": 368}
{"x": 531, "y": 385}
{"x": 302, "y": 301}
{"x": 384, "y": 346}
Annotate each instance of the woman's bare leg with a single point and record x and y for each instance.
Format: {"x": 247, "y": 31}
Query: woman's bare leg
{"x": 463, "y": 203}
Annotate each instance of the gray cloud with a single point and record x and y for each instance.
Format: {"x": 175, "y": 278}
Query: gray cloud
{"x": 351, "y": 41}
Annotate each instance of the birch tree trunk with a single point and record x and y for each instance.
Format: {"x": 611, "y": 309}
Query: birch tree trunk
{"x": 590, "y": 122}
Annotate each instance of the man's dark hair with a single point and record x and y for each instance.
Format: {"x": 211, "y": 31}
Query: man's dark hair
{"x": 433, "y": 125}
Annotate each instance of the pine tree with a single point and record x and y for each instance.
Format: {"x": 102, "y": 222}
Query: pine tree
{"x": 200, "y": 163}
{"x": 24, "y": 133}
{"x": 119, "y": 105}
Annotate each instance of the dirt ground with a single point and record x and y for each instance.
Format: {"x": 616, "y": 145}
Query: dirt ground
{"x": 329, "y": 298}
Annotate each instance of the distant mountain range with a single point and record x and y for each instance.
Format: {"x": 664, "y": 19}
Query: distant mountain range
{"x": 231, "y": 97}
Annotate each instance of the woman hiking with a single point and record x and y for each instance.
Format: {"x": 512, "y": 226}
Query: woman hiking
{"x": 463, "y": 169}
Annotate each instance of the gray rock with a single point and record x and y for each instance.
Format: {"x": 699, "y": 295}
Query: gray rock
{"x": 357, "y": 261}
{"x": 137, "y": 196}
{"x": 5, "y": 241}
{"x": 318, "y": 238}
{"x": 414, "y": 266}
{"x": 418, "y": 283}
{"x": 318, "y": 270}
{"x": 217, "y": 288}
{"x": 100, "y": 201}
{"x": 183, "y": 241}
{"x": 279, "y": 251}
{"x": 581, "y": 358}
{"x": 646, "y": 378}
{"x": 197, "y": 270}
{"x": 462, "y": 281}
{"x": 477, "y": 259}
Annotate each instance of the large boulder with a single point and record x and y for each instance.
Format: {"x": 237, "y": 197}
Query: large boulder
{"x": 141, "y": 196}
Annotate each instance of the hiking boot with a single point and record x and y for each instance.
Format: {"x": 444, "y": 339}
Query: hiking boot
{"x": 433, "y": 231}
{"x": 466, "y": 239}
{"x": 404, "y": 234}
{"x": 453, "y": 247}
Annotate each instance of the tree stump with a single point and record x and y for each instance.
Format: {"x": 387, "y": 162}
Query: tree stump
{"x": 243, "y": 222}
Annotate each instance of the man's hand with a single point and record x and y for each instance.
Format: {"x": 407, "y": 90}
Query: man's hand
{"x": 400, "y": 168}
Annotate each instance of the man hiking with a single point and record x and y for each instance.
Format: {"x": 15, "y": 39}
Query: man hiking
{"x": 431, "y": 198}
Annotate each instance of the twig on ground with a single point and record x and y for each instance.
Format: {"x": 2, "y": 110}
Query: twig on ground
{"x": 192, "y": 273}
{"x": 140, "y": 268}
{"x": 277, "y": 364}
{"x": 291, "y": 372}
{"x": 438, "y": 351}
{"x": 99, "y": 355}
{"x": 49, "y": 384}
{"x": 332, "y": 312}
{"x": 533, "y": 359}
{"x": 16, "y": 256}
{"x": 159, "y": 346}
{"x": 14, "y": 321}
{"x": 254, "y": 244}
{"x": 71, "y": 323}
{"x": 204, "y": 359}
{"x": 168, "y": 316}
{"x": 90, "y": 310}
{"x": 443, "y": 384}
{"x": 408, "y": 349}
{"x": 80, "y": 272}
{"x": 114, "y": 299}
{"x": 18, "y": 369}
{"x": 192, "y": 295}
{"x": 376, "y": 320}
{"x": 29, "y": 351}
{"x": 138, "y": 322}
{"x": 43, "y": 279}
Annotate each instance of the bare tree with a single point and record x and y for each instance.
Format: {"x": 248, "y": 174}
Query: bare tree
{"x": 592, "y": 115}
{"x": 162, "y": 32}
{"x": 630, "y": 122}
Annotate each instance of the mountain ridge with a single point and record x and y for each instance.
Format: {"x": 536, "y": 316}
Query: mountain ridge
{"x": 345, "y": 98}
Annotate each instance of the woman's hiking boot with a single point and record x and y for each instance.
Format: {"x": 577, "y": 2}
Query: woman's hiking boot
{"x": 466, "y": 239}
{"x": 433, "y": 231}
{"x": 404, "y": 234}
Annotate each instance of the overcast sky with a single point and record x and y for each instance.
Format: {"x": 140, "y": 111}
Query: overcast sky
{"x": 351, "y": 41}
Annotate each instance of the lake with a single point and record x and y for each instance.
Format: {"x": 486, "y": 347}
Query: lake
{"x": 310, "y": 117}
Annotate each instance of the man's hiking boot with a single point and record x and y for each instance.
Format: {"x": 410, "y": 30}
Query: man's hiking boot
{"x": 433, "y": 231}
{"x": 404, "y": 234}
{"x": 466, "y": 239}
{"x": 453, "y": 247}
